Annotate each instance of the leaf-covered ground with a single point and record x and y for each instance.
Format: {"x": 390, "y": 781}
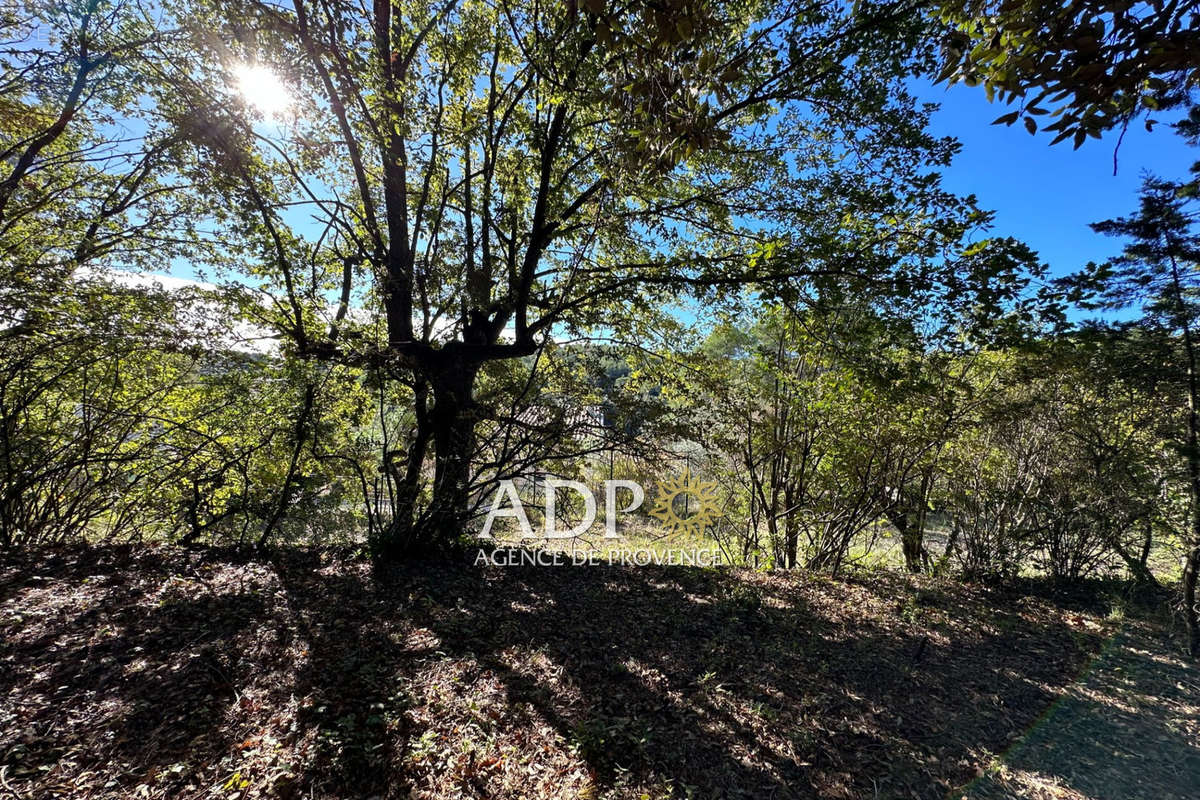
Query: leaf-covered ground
{"x": 174, "y": 674}
{"x": 1128, "y": 730}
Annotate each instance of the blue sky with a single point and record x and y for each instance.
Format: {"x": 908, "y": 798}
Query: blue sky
{"x": 1044, "y": 195}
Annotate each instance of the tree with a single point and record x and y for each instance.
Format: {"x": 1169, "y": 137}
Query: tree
{"x": 1159, "y": 270}
{"x": 832, "y": 419}
{"x": 98, "y": 369}
{"x": 75, "y": 187}
{"x": 1097, "y": 64}
{"x": 487, "y": 175}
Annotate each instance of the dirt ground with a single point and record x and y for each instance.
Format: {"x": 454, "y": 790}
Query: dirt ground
{"x": 159, "y": 672}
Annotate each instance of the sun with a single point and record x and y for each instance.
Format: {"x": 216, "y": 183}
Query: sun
{"x": 705, "y": 495}
{"x": 262, "y": 89}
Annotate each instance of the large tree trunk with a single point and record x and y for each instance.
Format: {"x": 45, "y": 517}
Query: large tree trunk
{"x": 450, "y": 426}
{"x": 906, "y": 512}
{"x": 912, "y": 536}
{"x": 453, "y": 418}
{"x": 403, "y": 470}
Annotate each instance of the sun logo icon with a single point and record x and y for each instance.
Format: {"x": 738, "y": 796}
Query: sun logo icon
{"x": 697, "y": 516}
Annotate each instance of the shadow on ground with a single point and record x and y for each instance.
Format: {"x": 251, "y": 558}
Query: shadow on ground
{"x": 164, "y": 673}
{"x": 1129, "y": 730}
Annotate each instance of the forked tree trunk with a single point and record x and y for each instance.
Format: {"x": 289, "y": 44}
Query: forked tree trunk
{"x": 906, "y": 512}
{"x": 1138, "y": 563}
{"x": 450, "y": 427}
{"x": 912, "y": 539}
